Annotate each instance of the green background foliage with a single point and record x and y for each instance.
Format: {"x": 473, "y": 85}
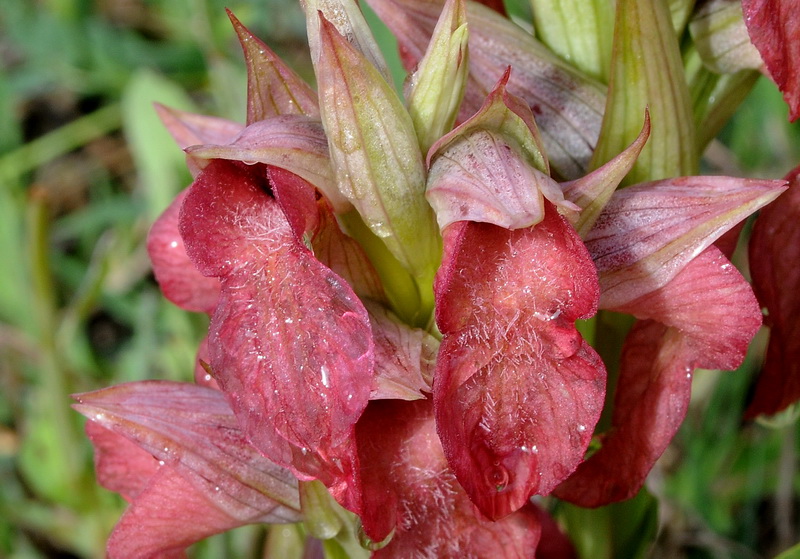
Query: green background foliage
{"x": 85, "y": 167}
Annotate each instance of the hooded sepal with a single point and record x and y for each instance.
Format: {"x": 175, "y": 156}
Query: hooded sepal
{"x": 704, "y": 318}
{"x": 648, "y": 232}
{"x": 647, "y": 71}
{"x": 774, "y": 255}
{"x": 412, "y": 497}
{"x": 289, "y": 343}
{"x": 296, "y": 143}
{"x": 435, "y": 90}
{"x": 774, "y": 27}
{"x": 492, "y": 168}
{"x": 375, "y": 155}
{"x": 517, "y": 391}
{"x": 273, "y": 88}
{"x": 568, "y": 106}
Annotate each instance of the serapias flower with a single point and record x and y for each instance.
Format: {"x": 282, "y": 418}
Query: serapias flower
{"x": 393, "y": 303}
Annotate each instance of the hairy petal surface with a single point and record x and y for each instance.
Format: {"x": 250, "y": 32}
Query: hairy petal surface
{"x": 568, "y": 106}
{"x": 774, "y": 27}
{"x": 774, "y": 254}
{"x": 272, "y": 87}
{"x": 517, "y": 390}
{"x": 290, "y": 343}
{"x": 648, "y": 232}
{"x": 179, "y": 280}
{"x": 704, "y": 318}
{"x": 412, "y": 491}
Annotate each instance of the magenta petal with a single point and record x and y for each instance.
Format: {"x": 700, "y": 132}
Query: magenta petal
{"x": 409, "y": 488}
{"x": 774, "y": 257}
{"x": 710, "y": 316}
{"x": 290, "y": 343}
{"x": 180, "y": 282}
{"x": 517, "y": 390}
{"x": 774, "y": 27}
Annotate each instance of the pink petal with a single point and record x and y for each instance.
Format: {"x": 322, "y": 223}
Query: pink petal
{"x": 409, "y": 488}
{"x": 272, "y": 87}
{"x": 180, "y": 282}
{"x": 165, "y": 519}
{"x": 290, "y": 343}
{"x": 648, "y": 232}
{"x": 709, "y": 316}
{"x": 774, "y": 257}
{"x": 517, "y": 390}
{"x": 192, "y": 429}
{"x": 405, "y": 357}
{"x": 774, "y": 27}
{"x": 121, "y": 465}
{"x": 709, "y": 301}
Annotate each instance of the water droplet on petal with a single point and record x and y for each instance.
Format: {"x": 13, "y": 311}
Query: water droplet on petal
{"x": 497, "y": 477}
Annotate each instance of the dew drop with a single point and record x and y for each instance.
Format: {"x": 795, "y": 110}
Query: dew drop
{"x": 581, "y": 428}
{"x": 323, "y": 372}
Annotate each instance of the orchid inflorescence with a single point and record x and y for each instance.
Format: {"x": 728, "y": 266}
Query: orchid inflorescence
{"x": 405, "y": 347}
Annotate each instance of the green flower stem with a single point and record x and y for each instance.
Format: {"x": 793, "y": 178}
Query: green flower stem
{"x": 60, "y": 141}
{"x": 610, "y": 331}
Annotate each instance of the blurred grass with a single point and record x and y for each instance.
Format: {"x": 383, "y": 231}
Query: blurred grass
{"x": 85, "y": 168}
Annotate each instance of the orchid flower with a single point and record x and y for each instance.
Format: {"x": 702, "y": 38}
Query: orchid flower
{"x": 394, "y": 290}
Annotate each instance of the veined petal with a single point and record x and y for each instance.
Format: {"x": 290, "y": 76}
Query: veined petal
{"x": 273, "y": 88}
{"x": 375, "y": 153}
{"x": 708, "y": 316}
{"x": 411, "y": 490}
{"x": 405, "y": 357}
{"x": 290, "y": 343}
{"x": 190, "y": 129}
{"x": 192, "y": 429}
{"x": 517, "y": 390}
{"x": 647, "y": 233}
{"x": 435, "y": 90}
{"x": 293, "y": 142}
{"x": 568, "y": 106}
{"x": 179, "y": 280}
{"x": 592, "y": 192}
{"x": 774, "y": 27}
{"x": 719, "y": 32}
{"x": 774, "y": 254}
